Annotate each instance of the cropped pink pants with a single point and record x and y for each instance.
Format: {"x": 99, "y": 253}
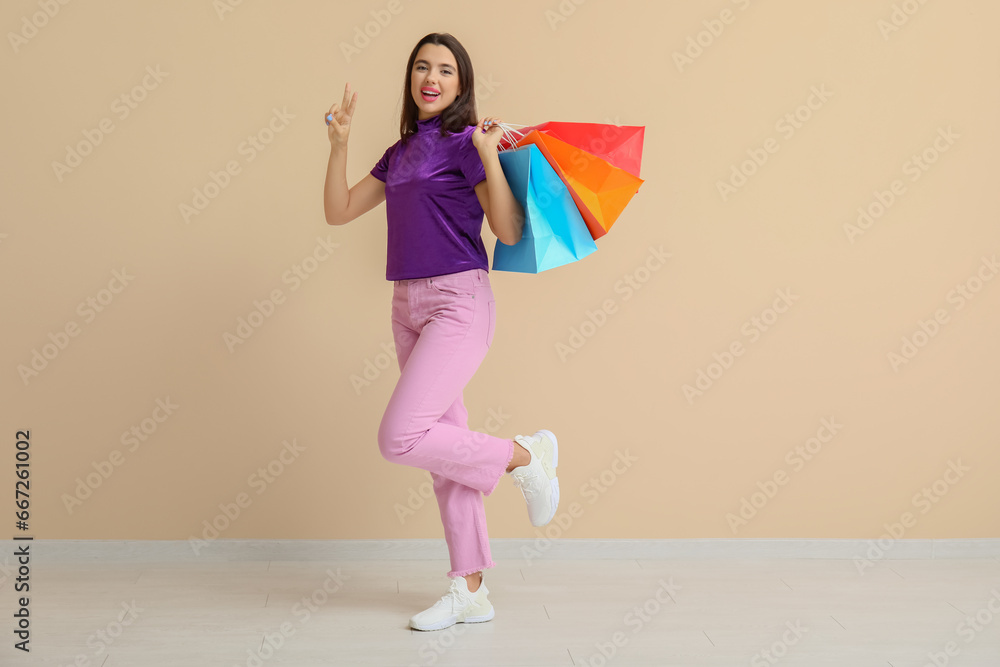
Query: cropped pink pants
{"x": 443, "y": 328}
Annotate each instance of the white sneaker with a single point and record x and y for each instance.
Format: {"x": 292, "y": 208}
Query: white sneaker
{"x": 537, "y": 480}
{"x": 458, "y": 605}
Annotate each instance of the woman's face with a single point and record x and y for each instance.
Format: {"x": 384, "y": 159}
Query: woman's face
{"x": 434, "y": 71}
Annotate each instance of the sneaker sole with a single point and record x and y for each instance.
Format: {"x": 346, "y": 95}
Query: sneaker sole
{"x": 448, "y": 622}
{"x": 550, "y": 472}
{"x": 481, "y": 619}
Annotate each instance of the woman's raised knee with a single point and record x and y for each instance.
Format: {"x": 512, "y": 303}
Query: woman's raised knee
{"x": 391, "y": 441}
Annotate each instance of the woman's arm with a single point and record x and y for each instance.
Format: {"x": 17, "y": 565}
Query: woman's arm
{"x": 504, "y": 214}
{"x": 335, "y": 192}
{"x": 342, "y": 205}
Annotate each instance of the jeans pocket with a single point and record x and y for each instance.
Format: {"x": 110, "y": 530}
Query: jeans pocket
{"x": 454, "y": 286}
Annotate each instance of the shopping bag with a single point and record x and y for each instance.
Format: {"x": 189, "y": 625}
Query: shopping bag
{"x": 601, "y": 182}
{"x": 621, "y": 145}
{"x": 601, "y": 190}
{"x": 554, "y": 232}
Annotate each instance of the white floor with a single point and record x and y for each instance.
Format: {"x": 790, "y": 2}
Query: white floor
{"x": 719, "y": 612}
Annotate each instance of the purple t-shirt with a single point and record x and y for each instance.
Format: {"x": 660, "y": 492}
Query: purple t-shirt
{"x": 435, "y": 219}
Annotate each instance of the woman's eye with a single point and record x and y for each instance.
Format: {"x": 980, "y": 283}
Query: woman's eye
{"x": 447, "y": 71}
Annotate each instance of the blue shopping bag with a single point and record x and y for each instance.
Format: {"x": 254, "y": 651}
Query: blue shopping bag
{"x": 554, "y": 231}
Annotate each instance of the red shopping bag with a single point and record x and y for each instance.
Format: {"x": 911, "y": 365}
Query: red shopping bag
{"x": 603, "y": 179}
{"x": 621, "y": 145}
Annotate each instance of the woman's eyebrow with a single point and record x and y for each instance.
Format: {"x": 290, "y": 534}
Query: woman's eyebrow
{"x": 427, "y": 63}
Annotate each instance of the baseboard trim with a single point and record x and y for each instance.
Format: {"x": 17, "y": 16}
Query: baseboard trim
{"x": 505, "y": 549}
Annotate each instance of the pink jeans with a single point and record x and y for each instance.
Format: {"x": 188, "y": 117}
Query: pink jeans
{"x": 443, "y": 328}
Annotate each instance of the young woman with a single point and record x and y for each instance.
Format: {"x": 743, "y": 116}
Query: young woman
{"x": 437, "y": 182}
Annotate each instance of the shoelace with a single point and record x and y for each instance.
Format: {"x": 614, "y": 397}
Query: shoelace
{"x": 523, "y": 484}
{"x": 453, "y": 595}
{"x": 526, "y": 489}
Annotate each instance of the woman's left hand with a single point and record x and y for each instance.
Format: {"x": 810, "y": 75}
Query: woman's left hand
{"x": 492, "y": 135}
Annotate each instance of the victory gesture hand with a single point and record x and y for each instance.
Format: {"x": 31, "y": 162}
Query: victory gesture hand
{"x": 339, "y": 118}
{"x": 492, "y": 136}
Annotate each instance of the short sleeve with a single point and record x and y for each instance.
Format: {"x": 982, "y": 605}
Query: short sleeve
{"x": 470, "y": 163}
{"x": 381, "y": 168}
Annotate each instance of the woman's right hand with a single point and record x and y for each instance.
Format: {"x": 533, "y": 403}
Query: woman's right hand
{"x": 339, "y": 128}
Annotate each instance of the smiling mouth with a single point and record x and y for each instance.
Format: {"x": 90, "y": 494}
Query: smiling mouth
{"x": 429, "y": 97}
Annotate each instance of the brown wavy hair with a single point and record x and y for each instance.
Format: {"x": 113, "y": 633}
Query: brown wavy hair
{"x": 459, "y": 114}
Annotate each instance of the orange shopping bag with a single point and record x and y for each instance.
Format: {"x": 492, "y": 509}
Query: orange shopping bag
{"x": 600, "y": 167}
{"x": 621, "y": 145}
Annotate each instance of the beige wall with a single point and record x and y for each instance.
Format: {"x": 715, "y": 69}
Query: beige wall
{"x": 888, "y": 96}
